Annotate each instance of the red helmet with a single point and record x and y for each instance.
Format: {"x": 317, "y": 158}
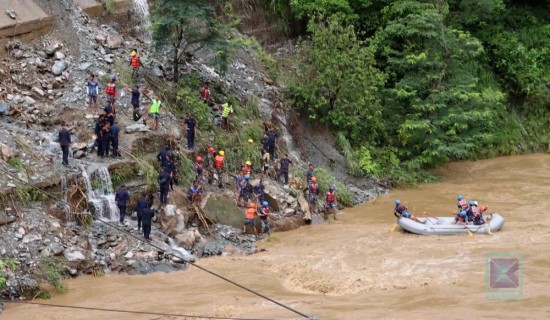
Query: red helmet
{"x": 199, "y": 159}
{"x": 211, "y": 150}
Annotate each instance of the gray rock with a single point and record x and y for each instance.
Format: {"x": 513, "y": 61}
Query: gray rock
{"x": 289, "y": 212}
{"x": 21, "y": 230}
{"x": 31, "y": 237}
{"x": 56, "y": 248}
{"x": 39, "y": 91}
{"x": 58, "y": 67}
{"x": 56, "y": 225}
{"x": 5, "y": 219}
{"x": 73, "y": 272}
{"x": 84, "y": 66}
{"x": 4, "y": 108}
{"x": 51, "y": 49}
{"x": 136, "y": 127}
{"x": 59, "y": 55}
{"x": 114, "y": 41}
{"x": 100, "y": 39}
{"x": 79, "y": 154}
{"x": 74, "y": 255}
{"x": 10, "y": 97}
{"x": 30, "y": 100}
{"x": 129, "y": 255}
{"x": 77, "y": 89}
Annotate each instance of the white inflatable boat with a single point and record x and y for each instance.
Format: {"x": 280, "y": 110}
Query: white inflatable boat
{"x": 446, "y": 225}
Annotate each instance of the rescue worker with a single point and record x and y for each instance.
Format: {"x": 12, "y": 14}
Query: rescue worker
{"x": 146, "y": 219}
{"x": 194, "y": 192}
{"x": 400, "y": 211}
{"x": 259, "y": 190}
{"x": 285, "y": 164}
{"x": 226, "y": 112}
{"x": 245, "y": 188}
{"x": 330, "y": 203}
{"x": 97, "y": 131}
{"x": 113, "y": 137}
{"x": 111, "y": 91}
{"x": 198, "y": 169}
{"x": 92, "y": 89}
{"x": 205, "y": 93}
{"x": 65, "y": 143}
{"x": 461, "y": 217}
{"x": 141, "y": 205}
{"x": 461, "y": 204}
{"x": 208, "y": 164}
{"x": 170, "y": 168}
{"x": 309, "y": 174}
{"x": 313, "y": 188}
{"x": 136, "y": 95}
{"x": 249, "y": 218}
{"x": 121, "y": 198}
{"x": 164, "y": 184}
{"x": 472, "y": 210}
{"x": 154, "y": 111}
{"x": 266, "y": 159}
{"x": 163, "y": 155}
{"x": 272, "y": 140}
{"x": 135, "y": 63}
{"x": 105, "y": 139}
{"x": 264, "y": 217}
{"x": 109, "y": 113}
{"x": 191, "y": 123}
{"x": 478, "y": 218}
{"x": 246, "y": 168}
{"x": 218, "y": 166}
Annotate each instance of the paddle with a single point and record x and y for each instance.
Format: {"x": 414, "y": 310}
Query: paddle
{"x": 393, "y": 228}
{"x": 489, "y": 224}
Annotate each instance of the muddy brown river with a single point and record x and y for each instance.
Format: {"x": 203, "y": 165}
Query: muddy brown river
{"x": 356, "y": 268}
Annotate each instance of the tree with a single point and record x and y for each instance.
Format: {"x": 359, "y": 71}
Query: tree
{"x": 335, "y": 80}
{"x": 185, "y": 26}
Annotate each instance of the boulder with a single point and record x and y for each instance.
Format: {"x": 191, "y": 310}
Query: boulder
{"x": 56, "y": 248}
{"x": 100, "y": 39}
{"x": 84, "y": 66}
{"x": 114, "y": 41}
{"x": 79, "y": 154}
{"x": 4, "y": 107}
{"x": 58, "y": 67}
{"x": 187, "y": 238}
{"x": 137, "y": 127}
{"x": 59, "y": 55}
{"x": 7, "y": 152}
{"x": 51, "y": 49}
{"x": 170, "y": 210}
{"x": 31, "y": 237}
{"x": 4, "y": 219}
{"x": 74, "y": 255}
{"x": 39, "y": 91}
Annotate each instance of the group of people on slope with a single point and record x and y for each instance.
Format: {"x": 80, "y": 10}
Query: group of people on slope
{"x": 467, "y": 212}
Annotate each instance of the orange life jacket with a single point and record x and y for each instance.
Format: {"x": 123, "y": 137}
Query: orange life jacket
{"x": 250, "y": 212}
{"x": 134, "y": 62}
{"x": 462, "y": 204}
{"x": 110, "y": 89}
{"x": 218, "y": 162}
{"x": 330, "y": 197}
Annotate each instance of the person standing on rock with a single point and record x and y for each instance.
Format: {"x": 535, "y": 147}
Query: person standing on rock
{"x": 259, "y": 191}
{"x": 147, "y": 220}
{"x": 109, "y": 113}
{"x": 142, "y": 204}
{"x": 65, "y": 143}
{"x": 97, "y": 130}
{"x": 154, "y": 112}
{"x": 105, "y": 139}
{"x": 164, "y": 185}
{"x": 170, "y": 168}
{"x": 136, "y": 94}
{"x": 285, "y": 167}
{"x": 92, "y": 88}
{"x": 205, "y": 93}
{"x": 227, "y": 110}
{"x": 163, "y": 156}
{"x": 111, "y": 91}
{"x": 121, "y": 198}
{"x": 218, "y": 166}
{"x": 135, "y": 63}
{"x": 209, "y": 163}
{"x": 249, "y": 218}
{"x": 113, "y": 136}
{"x": 191, "y": 123}
{"x": 309, "y": 174}
{"x": 272, "y": 142}
{"x": 264, "y": 216}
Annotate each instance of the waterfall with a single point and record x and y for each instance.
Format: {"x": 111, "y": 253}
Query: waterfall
{"x": 99, "y": 189}
{"x": 64, "y": 194}
{"x": 141, "y": 8}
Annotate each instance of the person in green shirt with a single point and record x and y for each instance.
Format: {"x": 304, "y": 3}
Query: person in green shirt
{"x": 154, "y": 111}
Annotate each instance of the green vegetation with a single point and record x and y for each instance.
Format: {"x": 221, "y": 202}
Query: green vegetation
{"x": 15, "y": 163}
{"x": 110, "y": 6}
{"x": 9, "y": 264}
{"x": 325, "y": 179}
{"x": 411, "y": 85}
{"x": 51, "y": 270}
{"x": 28, "y": 195}
{"x": 185, "y": 27}
{"x": 122, "y": 175}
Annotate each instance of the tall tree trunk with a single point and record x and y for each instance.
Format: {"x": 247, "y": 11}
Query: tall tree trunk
{"x": 176, "y": 63}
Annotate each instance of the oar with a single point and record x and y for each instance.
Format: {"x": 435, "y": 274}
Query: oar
{"x": 489, "y": 224}
{"x": 469, "y": 232}
{"x": 393, "y": 228}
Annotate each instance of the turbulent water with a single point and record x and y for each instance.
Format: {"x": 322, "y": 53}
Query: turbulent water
{"x": 356, "y": 268}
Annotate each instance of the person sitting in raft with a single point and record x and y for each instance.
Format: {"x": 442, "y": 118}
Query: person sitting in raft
{"x": 400, "y": 211}
{"x": 472, "y": 210}
{"x": 461, "y": 217}
{"x": 462, "y": 204}
{"x": 478, "y": 218}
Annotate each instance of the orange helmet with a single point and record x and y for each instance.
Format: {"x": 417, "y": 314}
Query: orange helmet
{"x": 252, "y": 205}
{"x": 199, "y": 159}
{"x": 483, "y": 208}
{"x": 211, "y": 150}
{"x": 313, "y": 179}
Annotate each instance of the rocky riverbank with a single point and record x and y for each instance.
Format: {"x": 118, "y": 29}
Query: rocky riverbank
{"x": 45, "y": 233}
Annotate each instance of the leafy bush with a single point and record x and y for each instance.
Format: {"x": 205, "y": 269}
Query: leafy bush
{"x": 187, "y": 103}
{"x": 6, "y": 264}
{"x": 51, "y": 270}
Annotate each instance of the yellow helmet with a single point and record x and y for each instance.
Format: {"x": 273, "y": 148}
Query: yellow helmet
{"x": 248, "y": 163}
{"x": 133, "y": 53}
{"x": 250, "y": 141}
{"x": 222, "y": 153}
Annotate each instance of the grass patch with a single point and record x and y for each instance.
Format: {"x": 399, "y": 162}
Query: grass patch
{"x": 110, "y": 6}
{"x": 28, "y": 195}
{"x": 6, "y": 264}
{"x": 51, "y": 271}
{"x": 15, "y": 163}
{"x": 122, "y": 175}
{"x": 269, "y": 63}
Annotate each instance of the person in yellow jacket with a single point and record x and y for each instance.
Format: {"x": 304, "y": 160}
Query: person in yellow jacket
{"x": 227, "y": 110}
{"x": 154, "y": 111}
